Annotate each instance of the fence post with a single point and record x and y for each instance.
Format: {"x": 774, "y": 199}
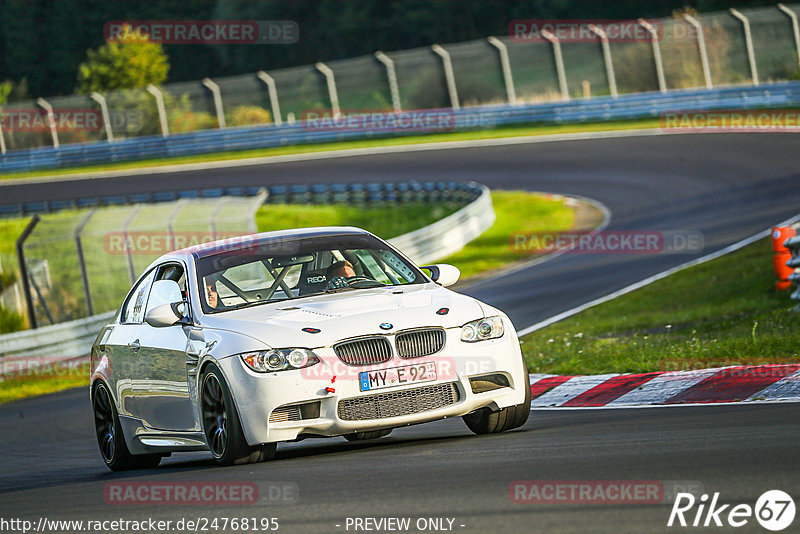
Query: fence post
{"x": 612, "y": 79}
{"x": 82, "y": 261}
{"x": 391, "y": 76}
{"x": 449, "y": 76}
{"x": 559, "y": 59}
{"x": 508, "y": 78}
{"x": 331, "y": 83}
{"x": 2, "y": 137}
{"x": 273, "y": 96}
{"x": 162, "y": 110}
{"x": 217, "y": 96}
{"x": 748, "y": 42}
{"x": 51, "y": 119}
{"x": 101, "y": 101}
{"x": 701, "y": 45}
{"x": 258, "y": 201}
{"x": 171, "y": 224}
{"x": 128, "y": 249}
{"x": 662, "y": 83}
{"x": 23, "y": 270}
{"x": 795, "y": 28}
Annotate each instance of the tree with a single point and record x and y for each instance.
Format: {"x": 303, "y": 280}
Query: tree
{"x": 5, "y": 90}
{"x": 130, "y": 62}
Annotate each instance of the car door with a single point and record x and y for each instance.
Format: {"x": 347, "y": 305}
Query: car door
{"x": 122, "y": 346}
{"x": 162, "y": 400}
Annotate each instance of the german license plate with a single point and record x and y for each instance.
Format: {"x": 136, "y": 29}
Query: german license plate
{"x": 397, "y": 376}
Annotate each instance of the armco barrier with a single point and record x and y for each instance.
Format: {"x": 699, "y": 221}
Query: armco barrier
{"x": 449, "y": 235}
{"x": 66, "y": 341}
{"x": 58, "y": 342}
{"x": 630, "y": 106}
{"x": 353, "y": 193}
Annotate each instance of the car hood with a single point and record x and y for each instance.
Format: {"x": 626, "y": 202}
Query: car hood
{"x": 348, "y": 314}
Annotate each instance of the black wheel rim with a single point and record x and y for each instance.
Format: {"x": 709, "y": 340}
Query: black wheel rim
{"x": 215, "y": 416}
{"x": 104, "y": 423}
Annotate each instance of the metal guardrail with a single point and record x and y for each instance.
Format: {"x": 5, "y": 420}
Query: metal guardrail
{"x": 449, "y": 235}
{"x": 54, "y": 343}
{"x": 629, "y": 106}
{"x": 355, "y": 193}
{"x": 70, "y": 340}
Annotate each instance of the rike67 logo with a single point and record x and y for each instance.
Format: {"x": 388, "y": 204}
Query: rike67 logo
{"x": 774, "y": 510}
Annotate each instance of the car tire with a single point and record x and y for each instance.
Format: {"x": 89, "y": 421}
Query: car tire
{"x": 363, "y": 436}
{"x": 110, "y": 440}
{"x": 484, "y": 421}
{"x": 221, "y": 426}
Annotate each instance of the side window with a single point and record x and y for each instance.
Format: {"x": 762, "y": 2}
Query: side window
{"x": 172, "y": 271}
{"x": 372, "y": 268}
{"x": 160, "y": 295}
{"x": 134, "y": 308}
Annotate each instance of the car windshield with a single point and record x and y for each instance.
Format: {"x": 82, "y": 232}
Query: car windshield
{"x": 295, "y": 268}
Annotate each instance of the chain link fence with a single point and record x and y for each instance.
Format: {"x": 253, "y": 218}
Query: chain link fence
{"x": 418, "y": 79}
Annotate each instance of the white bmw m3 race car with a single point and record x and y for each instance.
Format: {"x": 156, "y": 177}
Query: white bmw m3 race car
{"x": 239, "y": 344}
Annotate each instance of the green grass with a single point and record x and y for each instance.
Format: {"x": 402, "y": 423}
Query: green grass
{"x": 723, "y": 312}
{"x": 515, "y": 211}
{"x": 387, "y": 222}
{"x": 510, "y": 131}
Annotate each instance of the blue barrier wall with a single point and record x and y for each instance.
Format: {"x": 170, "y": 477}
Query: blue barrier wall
{"x": 221, "y": 140}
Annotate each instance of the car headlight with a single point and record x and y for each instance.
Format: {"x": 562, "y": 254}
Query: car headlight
{"x": 268, "y": 361}
{"x": 482, "y": 329}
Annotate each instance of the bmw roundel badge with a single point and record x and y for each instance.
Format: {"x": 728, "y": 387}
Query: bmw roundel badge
{"x": 386, "y": 326}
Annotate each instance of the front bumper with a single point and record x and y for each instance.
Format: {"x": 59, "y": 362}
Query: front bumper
{"x": 258, "y": 395}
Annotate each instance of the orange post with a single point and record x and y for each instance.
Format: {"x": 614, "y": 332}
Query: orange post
{"x": 780, "y": 255}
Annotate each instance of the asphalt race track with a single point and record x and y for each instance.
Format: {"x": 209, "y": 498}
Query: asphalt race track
{"x": 727, "y": 186}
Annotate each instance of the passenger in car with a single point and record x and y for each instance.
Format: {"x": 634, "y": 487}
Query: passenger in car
{"x": 212, "y": 297}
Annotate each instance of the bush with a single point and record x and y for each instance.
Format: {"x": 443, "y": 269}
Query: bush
{"x": 189, "y": 121}
{"x": 7, "y": 279}
{"x": 11, "y": 321}
{"x": 181, "y": 117}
